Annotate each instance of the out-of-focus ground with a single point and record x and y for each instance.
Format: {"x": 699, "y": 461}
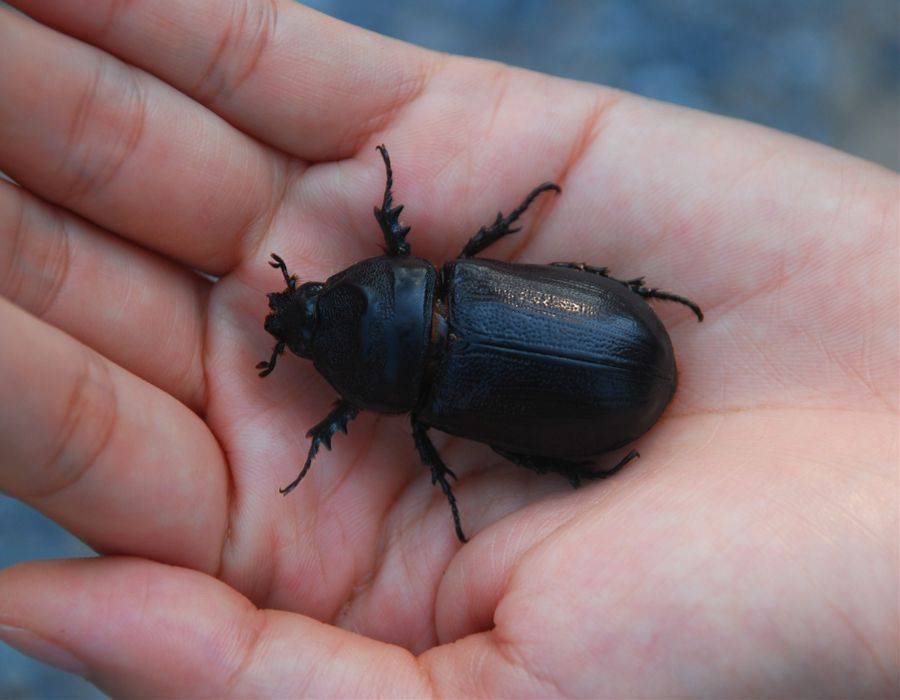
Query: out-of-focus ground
{"x": 828, "y": 70}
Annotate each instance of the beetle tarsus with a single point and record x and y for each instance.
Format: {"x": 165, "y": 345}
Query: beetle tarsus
{"x": 321, "y": 434}
{"x": 636, "y": 285}
{"x": 652, "y": 293}
{"x": 268, "y": 365}
{"x": 439, "y": 471}
{"x": 488, "y": 235}
{"x": 572, "y": 470}
{"x": 388, "y": 216}
{"x": 279, "y": 264}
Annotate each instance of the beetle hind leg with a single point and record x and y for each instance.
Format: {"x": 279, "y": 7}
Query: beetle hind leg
{"x": 583, "y": 267}
{"x": 439, "y": 471}
{"x": 574, "y": 471}
{"x": 636, "y": 285}
{"x": 653, "y": 293}
{"x": 488, "y": 235}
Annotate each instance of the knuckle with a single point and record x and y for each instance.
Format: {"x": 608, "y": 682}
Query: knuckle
{"x": 105, "y": 127}
{"x": 248, "y": 32}
{"x": 187, "y": 378}
{"x": 115, "y": 9}
{"x": 254, "y": 627}
{"x": 397, "y": 97}
{"x": 87, "y": 423}
{"x": 36, "y": 261}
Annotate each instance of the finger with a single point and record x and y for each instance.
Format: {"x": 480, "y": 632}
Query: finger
{"x": 118, "y": 462}
{"x": 306, "y": 83}
{"x": 133, "y": 307}
{"x": 210, "y": 641}
{"x": 132, "y": 154}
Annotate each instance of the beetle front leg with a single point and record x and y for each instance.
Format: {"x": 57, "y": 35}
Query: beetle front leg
{"x": 439, "y": 471}
{"x": 388, "y": 216}
{"x": 636, "y": 285}
{"x": 488, "y": 235}
{"x": 278, "y": 263}
{"x": 321, "y": 434}
{"x": 268, "y": 366}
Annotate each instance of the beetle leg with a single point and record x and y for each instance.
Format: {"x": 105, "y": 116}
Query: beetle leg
{"x": 653, "y": 293}
{"x": 268, "y": 365}
{"x": 576, "y": 475}
{"x": 636, "y": 285}
{"x": 488, "y": 235}
{"x": 583, "y": 267}
{"x": 388, "y": 216}
{"x": 573, "y": 471}
{"x": 279, "y": 264}
{"x": 321, "y": 434}
{"x": 439, "y": 471}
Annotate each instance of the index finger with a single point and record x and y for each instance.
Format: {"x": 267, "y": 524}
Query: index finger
{"x": 127, "y": 151}
{"x": 295, "y": 78}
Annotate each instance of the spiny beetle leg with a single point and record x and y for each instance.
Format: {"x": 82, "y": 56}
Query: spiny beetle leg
{"x": 488, "y": 235}
{"x": 573, "y": 471}
{"x": 636, "y": 285}
{"x": 439, "y": 471}
{"x": 321, "y": 434}
{"x": 388, "y": 216}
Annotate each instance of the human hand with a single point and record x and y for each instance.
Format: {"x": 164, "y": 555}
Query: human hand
{"x": 751, "y": 551}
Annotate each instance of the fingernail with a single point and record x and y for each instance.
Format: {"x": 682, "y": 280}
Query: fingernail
{"x": 39, "y": 648}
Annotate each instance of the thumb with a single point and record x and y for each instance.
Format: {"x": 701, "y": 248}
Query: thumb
{"x": 138, "y": 628}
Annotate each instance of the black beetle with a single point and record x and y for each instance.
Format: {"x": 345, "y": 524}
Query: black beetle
{"x": 547, "y": 364}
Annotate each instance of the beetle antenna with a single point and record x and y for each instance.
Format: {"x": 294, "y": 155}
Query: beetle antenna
{"x": 268, "y": 366}
{"x": 279, "y": 264}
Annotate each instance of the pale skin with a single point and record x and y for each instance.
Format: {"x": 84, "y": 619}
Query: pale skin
{"x": 751, "y": 551}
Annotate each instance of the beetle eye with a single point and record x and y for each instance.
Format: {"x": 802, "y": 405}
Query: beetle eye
{"x": 274, "y": 325}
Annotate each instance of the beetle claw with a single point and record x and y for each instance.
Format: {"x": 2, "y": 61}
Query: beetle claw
{"x": 278, "y": 263}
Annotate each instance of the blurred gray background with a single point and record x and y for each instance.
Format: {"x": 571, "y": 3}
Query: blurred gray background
{"x": 823, "y": 69}
{"x": 828, "y": 70}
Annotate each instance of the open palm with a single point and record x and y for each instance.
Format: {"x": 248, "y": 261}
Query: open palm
{"x": 751, "y": 550}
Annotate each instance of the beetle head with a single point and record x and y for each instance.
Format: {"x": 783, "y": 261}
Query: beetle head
{"x": 292, "y": 319}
